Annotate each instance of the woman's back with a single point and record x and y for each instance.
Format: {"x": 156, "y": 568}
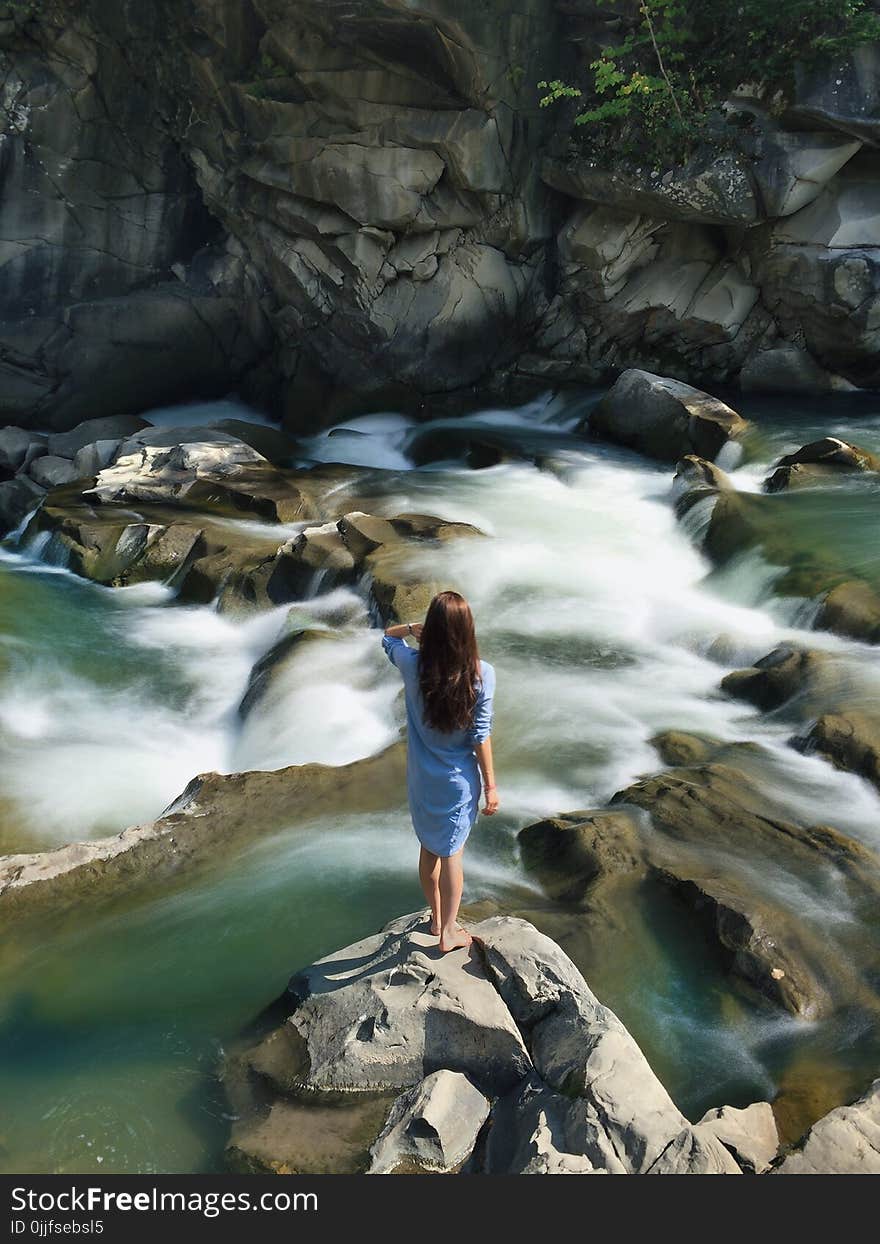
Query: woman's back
{"x": 441, "y": 741}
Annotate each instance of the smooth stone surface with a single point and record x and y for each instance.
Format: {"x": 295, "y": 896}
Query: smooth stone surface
{"x": 664, "y": 418}
{"x": 432, "y": 1128}
{"x": 844, "y": 1142}
{"x": 50, "y": 471}
{"x": 18, "y": 497}
{"x": 750, "y": 1134}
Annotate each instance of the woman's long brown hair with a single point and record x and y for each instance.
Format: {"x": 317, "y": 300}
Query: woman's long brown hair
{"x": 449, "y": 663}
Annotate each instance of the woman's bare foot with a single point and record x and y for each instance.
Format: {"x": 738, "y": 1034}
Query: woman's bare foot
{"x": 435, "y": 927}
{"x": 456, "y": 940}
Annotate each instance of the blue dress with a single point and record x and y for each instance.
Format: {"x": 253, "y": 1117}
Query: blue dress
{"x": 442, "y": 775}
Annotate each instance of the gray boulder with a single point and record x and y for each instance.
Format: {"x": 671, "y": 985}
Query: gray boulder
{"x": 112, "y": 427}
{"x": 387, "y": 1011}
{"x": 695, "y": 1151}
{"x": 751, "y": 1134}
{"x": 455, "y": 1031}
{"x": 432, "y": 1128}
{"x": 664, "y": 418}
{"x": 819, "y": 461}
{"x": 18, "y": 447}
{"x": 843, "y": 95}
{"x": 93, "y": 458}
{"x": 50, "y": 471}
{"x": 844, "y": 1142}
{"x": 786, "y": 369}
{"x": 17, "y": 498}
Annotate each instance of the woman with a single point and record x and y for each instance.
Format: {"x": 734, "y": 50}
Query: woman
{"x": 449, "y": 693}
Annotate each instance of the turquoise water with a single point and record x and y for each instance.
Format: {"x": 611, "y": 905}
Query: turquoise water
{"x": 603, "y": 621}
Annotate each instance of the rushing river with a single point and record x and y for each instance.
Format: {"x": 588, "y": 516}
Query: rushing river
{"x": 606, "y": 625}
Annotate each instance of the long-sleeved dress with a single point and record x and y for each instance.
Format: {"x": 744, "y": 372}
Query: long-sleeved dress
{"x": 442, "y": 775}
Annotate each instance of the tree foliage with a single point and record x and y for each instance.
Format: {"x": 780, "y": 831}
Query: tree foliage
{"x": 653, "y": 93}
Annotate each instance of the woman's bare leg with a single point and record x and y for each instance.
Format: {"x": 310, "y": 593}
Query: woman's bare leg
{"x": 429, "y": 875}
{"x": 451, "y": 886}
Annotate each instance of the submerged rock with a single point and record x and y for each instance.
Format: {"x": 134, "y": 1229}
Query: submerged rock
{"x": 702, "y": 829}
{"x": 216, "y": 813}
{"x": 664, "y": 418}
{"x": 850, "y": 740}
{"x": 507, "y": 1030}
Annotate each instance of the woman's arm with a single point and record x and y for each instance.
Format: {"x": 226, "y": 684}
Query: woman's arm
{"x": 484, "y": 760}
{"x": 403, "y": 629}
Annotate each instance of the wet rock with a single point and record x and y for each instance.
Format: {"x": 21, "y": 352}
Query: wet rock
{"x": 852, "y": 609}
{"x": 17, "y": 498}
{"x": 844, "y": 1142}
{"x": 696, "y": 807}
{"x": 110, "y": 428}
{"x": 850, "y": 740}
{"x": 398, "y": 587}
{"x": 676, "y": 747}
{"x": 52, "y": 472}
{"x": 216, "y": 813}
{"x": 18, "y": 447}
{"x": 278, "y": 659}
{"x": 664, "y": 418}
{"x": 749, "y": 1134}
{"x": 306, "y": 1138}
{"x": 362, "y": 533}
{"x": 168, "y": 557}
{"x": 568, "y": 853}
{"x": 775, "y": 679}
{"x": 786, "y": 369}
{"x": 432, "y": 1128}
{"x": 696, "y": 478}
{"x": 818, "y": 461}
{"x": 739, "y": 521}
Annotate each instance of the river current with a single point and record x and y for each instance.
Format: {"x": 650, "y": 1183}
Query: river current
{"x": 606, "y": 625}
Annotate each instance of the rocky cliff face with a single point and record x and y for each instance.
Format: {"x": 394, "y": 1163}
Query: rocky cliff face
{"x": 349, "y": 205}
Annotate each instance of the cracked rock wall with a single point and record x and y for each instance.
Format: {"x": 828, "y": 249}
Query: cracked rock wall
{"x": 336, "y": 206}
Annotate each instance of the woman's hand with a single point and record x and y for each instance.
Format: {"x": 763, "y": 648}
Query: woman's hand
{"x": 491, "y": 796}
{"x": 417, "y": 630}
